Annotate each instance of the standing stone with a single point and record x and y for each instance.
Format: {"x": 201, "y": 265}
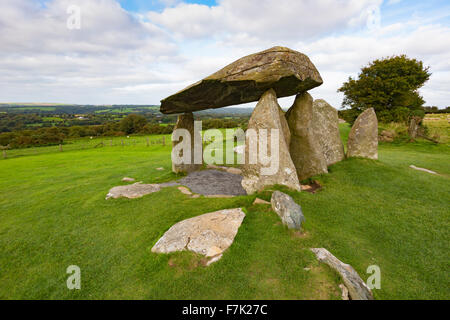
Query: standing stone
{"x": 306, "y": 152}
{"x": 268, "y": 115}
{"x": 186, "y": 121}
{"x": 363, "y": 138}
{"x": 326, "y": 129}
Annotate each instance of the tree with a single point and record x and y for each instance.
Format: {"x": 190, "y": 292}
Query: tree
{"x": 132, "y": 123}
{"x": 390, "y": 86}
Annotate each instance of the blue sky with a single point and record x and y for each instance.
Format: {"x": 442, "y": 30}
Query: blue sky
{"x": 140, "y": 51}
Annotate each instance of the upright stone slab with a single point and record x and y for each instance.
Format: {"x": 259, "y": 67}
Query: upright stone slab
{"x": 326, "y": 130}
{"x": 306, "y": 152}
{"x": 268, "y": 115}
{"x": 186, "y": 121}
{"x": 363, "y": 138}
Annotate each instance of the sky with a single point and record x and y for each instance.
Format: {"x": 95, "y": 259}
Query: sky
{"x": 141, "y": 51}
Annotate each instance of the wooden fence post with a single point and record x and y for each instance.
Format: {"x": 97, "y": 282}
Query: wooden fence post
{"x": 147, "y": 142}
{"x": 122, "y": 142}
{"x": 110, "y": 143}
{"x": 164, "y": 141}
{"x": 4, "y": 154}
{"x": 60, "y": 148}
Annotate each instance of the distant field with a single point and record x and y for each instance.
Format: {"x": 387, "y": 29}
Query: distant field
{"x": 439, "y": 126}
{"x": 54, "y": 214}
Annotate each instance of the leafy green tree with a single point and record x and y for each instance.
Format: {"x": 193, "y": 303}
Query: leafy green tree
{"x": 132, "y": 123}
{"x": 390, "y": 86}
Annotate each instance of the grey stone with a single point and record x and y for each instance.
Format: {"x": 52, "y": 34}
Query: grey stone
{"x": 268, "y": 115}
{"x": 209, "y": 234}
{"x": 363, "y": 138}
{"x": 326, "y": 130}
{"x": 126, "y": 179}
{"x": 290, "y": 212}
{"x": 214, "y": 182}
{"x": 286, "y": 71}
{"x": 132, "y": 191}
{"x": 357, "y": 289}
{"x": 305, "y": 149}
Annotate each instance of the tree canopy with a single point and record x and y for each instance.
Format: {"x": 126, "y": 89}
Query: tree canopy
{"x": 388, "y": 85}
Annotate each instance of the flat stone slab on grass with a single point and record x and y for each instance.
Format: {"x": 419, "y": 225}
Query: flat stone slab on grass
{"x": 209, "y": 234}
{"x": 214, "y": 182}
{"x": 357, "y": 288}
{"x": 126, "y": 179}
{"x": 422, "y": 169}
{"x": 132, "y": 191}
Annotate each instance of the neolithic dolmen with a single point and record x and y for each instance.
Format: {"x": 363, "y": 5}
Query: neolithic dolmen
{"x": 279, "y": 148}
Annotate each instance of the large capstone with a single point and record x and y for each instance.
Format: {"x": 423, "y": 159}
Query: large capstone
{"x": 326, "y": 130}
{"x": 186, "y": 121}
{"x": 305, "y": 149}
{"x": 268, "y": 118}
{"x": 363, "y": 138}
{"x": 286, "y": 71}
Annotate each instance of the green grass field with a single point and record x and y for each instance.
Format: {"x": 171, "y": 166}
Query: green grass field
{"x": 54, "y": 214}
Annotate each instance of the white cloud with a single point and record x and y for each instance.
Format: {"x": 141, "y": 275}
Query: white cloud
{"x": 123, "y": 57}
{"x": 265, "y": 19}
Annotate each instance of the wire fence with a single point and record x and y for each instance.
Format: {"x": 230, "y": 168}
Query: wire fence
{"x": 89, "y": 143}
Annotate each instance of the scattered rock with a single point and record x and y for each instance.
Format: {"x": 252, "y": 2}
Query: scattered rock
{"x": 126, "y": 179}
{"x": 132, "y": 191}
{"x": 260, "y": 201}
{"x": 357, "y": 289}
{"x": 160, "y": 169}
{"x": 267, "y": 115}
{"x": 185, "y": 190}
{"x": 290, "y": 212}
{"x": 209, "y": 234}
{"x": 422, "y": 169}
{"x": 363, "y": 138}
{"x": 186, "y": 121}
{"x": 214, "y": 259}
{"x": 387, "y": 136}
{"x": 286, "y": 71}
{"x": 306, "y": 152}
{"x": 219, "y": 196}
{"x": 326, "y": 130}
{"x": 231, "y": 170}
{"x": 313, "y": 187}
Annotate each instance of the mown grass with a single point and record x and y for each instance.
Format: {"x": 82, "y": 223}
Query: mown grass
{"x": 53, "y": 214}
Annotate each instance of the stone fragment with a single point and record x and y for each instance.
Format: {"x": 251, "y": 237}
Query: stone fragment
{"x": 132, "y": 191}
{"x": 126, "y": 179}
{"x": 357, "y": 288}
{"x": 290, "y": 212}
{"x": 260, "y": 201}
